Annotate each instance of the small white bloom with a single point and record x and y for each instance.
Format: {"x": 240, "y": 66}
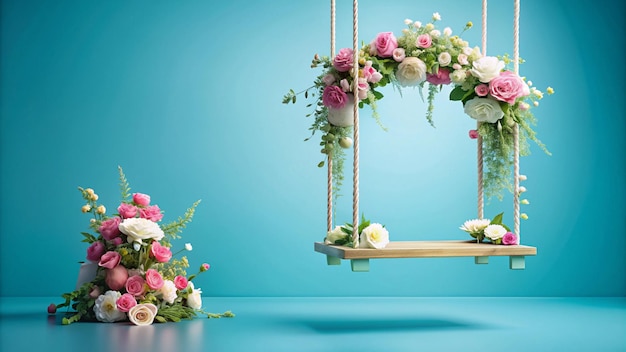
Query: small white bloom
{"x": 168, "y": 291}
{"x": 335, "y": 234}
{"x": 435, "y": 33}
{"x": 475, "y": 225}
{"x": 436, "y": 16}
{"x": 374, "y": 236}
{"x": 417, "y": 24}
{"x": 523, "y": 177}
{"x": 458, "y": 76}
{"x": 535, "y": 103}
{"x": 444, "y": 59}
{"x": 447, "y": 31}
{"x": 522, "y": 189}
{"x": 429, "y": 27}
{"x": 408, "y": 22}
{"x": 530, "y": 83}
{"x": 105, "y": 307}
{"x": 188, "y": 247}
{"x": 495, "y": 231}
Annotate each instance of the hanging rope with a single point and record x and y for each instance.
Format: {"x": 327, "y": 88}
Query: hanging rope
{"x": 355, "y": 87}
{"x": 479, "y": 139}
{"x": 329, "y": 186}
{"x": 516, "y": 194}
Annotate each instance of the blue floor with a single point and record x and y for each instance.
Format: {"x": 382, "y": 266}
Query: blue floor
{"x": 338, "y": 324}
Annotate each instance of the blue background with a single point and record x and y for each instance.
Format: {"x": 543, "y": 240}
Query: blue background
{"x": 186, "y": 97}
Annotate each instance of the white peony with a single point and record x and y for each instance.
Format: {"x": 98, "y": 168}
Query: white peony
{"x": 411, "y": 72}
{"x": 106, "y": 307}
{"x": 139, "y": 229}
{"x": 487, "y": 68}
{"x": 168, "y": 291}
{"x": 374, "y": 236}
{"x": 495, "y": 232}
{"x": 334, "y": 235}
{"x": 194, "y": 299}
{"x": 475, "y": 226}
{"x": 483, "y": 109}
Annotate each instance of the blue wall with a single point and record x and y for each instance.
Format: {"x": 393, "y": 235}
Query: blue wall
{"x": 186, "y": 97}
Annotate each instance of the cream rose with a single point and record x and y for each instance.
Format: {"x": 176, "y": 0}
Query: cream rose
{"x": 168, "y": 291}
{"x": 142, "y": 314}
{"x": 335, "y": 234}
{"x": 495, "y": 232}
{"x": 374, "y": 236}
{"x": 483, "y": 109}
{"x": 139, "y": 229}
{"x": 411, "y": 72}
{"x": 487, "y": 68}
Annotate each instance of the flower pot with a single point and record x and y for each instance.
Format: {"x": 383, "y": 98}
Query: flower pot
{"x": 86, "y": 273}
{"x": 343, "y": 117}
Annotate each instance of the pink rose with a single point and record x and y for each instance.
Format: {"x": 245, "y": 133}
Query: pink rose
{"x": 95, "y": 251}
{"x": 135, "y": 285}
{"x": 116, "y": 241}
{"x": 161, "y": 253}
{"x": 180, "y": 282}
{"x": 509, "y": 238}
{"x": 152, "y": 213}
{"x": 344, "y": 60}
{"x": 481, "y": 90}
{"x": 370, "y": 74}
{"x": 441, "y": 77}
{"x": 154, "y": 279}
{"x": 334, "y": 97}
{"x": 363, "y": 87}
{"x": 424, "y": 41}
{"x": 399, "y": 54}
{"x": 204, "y": 267}
{"x": 109, "y": 229}
{"x": 110, "y": 260}
{"x": 141, "y": 199}
{"x": 328, "y": 79}
{"x": 473, "y": 134}
{"x": 116, "y": 277}
{"x": 125, "y": 302}
{"x": 127, "y": 211}
{"x": 384, "y": 44}
{"x": 507, "y": 87}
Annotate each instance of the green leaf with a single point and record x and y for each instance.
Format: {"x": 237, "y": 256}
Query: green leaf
{"x": 458, "y": 93}
{"x": 497, "y": 220}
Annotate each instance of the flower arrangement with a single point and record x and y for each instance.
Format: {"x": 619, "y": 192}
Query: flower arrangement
{"x": 371, "y": 235}
{"x": 132, "y": 274}
{"x": 427, "y": 58}
{"x": 492, "y": 230}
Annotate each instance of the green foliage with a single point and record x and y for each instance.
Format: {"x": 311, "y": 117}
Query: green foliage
{"x": 174, "y": 228}
{"x": 124, "y": 186}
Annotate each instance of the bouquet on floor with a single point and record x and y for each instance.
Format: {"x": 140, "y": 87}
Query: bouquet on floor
{"x": 131, "y": 273}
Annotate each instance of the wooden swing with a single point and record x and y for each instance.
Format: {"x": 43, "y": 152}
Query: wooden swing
{"x": 359, "y": 257}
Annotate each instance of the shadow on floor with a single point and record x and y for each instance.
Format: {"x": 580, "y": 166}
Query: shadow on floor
{"x": 384, "y": 324}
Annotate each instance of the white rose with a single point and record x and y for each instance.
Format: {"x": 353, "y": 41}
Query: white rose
{"x": 458, "y": 76}
{"x": 138, "y": 229}
{"x": 483, "y": 109}
{"x": 194, "y": 299}
{"x": 444, "y": 59}
{"x": 487, "y": 68}
{"x": 335, "y": 234}
{"x": 168, "y": 291}
{"x": 495, "y": 232}
{"x": 105, "y": 307}
{"x": 142, "y": 314}
{"x": 411, "y": 72}
{"x": 374, "y": 236}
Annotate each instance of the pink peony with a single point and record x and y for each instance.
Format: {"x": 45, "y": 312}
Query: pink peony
{"x": 127, "y": 211}
{"x": 180, "y": 282}
{"x": 481, "y": 90}
{"x": 441, "y": 77}
{"x": 109, "y": 229}
{"x": 384, "y": 44}
{"x": 141, "y": 199}
{"x": 424, "y": 41}
{"x": 509, "y": 238}
{"x": 110, "y": 260}
{"x": 154, "y": 279}
{"x": 162, "y": 254}
{"x": 116, "y": 277}
{"x": 334, "y": 97}
{"x": 125, "y": 302}
{"x": 507, "y": 87}
{"x": 370, "y": 74}
{"x": 95, "y": 251}
{"x": 473, "y": 134}
{"x": 344, "y": 60}
{"x": 152, "y": 213}
{"x": 135, "y": 285}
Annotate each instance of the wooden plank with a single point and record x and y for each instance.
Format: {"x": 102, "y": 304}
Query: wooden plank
{"x": 426, "y": 249}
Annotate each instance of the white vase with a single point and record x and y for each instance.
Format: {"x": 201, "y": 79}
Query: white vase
{"x": 86, "y": 273}
{"x": 343, "y": 117}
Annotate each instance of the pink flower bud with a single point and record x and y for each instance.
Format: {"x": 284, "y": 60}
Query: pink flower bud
{"x": 52, "y": 308}
{"x": 473, "y": 134}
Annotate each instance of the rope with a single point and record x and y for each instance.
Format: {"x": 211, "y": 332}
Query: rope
{"x": 329, "y": 187}
{"x": 516, "y": 210}
{"x": 355, "y": 87}
{"x": 479, "y": 140}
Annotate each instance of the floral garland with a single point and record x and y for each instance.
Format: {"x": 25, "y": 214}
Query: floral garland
{"x": 427, "y": 58}
{"x": 131, "y": 271}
